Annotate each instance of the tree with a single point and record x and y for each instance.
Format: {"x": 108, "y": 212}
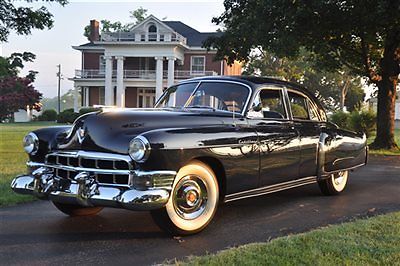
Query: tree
{"x": 22, "y": 20}
{"x": 10, "y": 66}
{"x": 137, "y": 15}
{"x": 363, "y": 35}
{"x": 331, "y": 87}
{"x": 17, "y": 93}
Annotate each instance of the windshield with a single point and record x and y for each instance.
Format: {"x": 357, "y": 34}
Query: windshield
{"x": 224, "y": 96}
{"x": 177, "y": 96}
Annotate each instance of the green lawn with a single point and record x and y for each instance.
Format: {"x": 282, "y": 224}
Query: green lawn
{"x": 386, "y": 152}
{"x": 13, "y": 158}
{"x": 373, "y": 241}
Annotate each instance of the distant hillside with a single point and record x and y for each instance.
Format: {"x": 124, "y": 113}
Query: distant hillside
{"x": 67, "y": 101}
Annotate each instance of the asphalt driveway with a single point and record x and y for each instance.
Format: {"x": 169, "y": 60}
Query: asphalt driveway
{"x": 37, "y": 234}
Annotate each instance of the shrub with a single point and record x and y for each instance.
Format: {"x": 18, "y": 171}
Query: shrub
{"x": 67, "y": 116}
{"x": 88, "y": 110}
{"x": 48, "y": 115}
{"x": 363, "y": 121}
{"x": 341, "y": 119}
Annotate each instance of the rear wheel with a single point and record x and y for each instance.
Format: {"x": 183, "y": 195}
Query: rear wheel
{"x": 76, "y": 210}
{"x": 335, "y": 184}
{"x": 192, "y": 203}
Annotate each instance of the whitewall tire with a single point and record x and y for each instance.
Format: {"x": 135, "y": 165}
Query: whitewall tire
{"x": 335, "y": 184}
{"x": 192, "y": 203}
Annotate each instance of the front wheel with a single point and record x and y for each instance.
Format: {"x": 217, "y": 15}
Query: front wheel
{"x": 192, "y": 203}
{"x": 335, "y": 184}
{"x": 76, "y": 210}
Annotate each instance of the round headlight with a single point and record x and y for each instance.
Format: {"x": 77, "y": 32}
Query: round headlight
{"x": 31, "y": 143}
{"x": 139, "y": 149}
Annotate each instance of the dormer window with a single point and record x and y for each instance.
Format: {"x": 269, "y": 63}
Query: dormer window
{"x": 152, "y": 33}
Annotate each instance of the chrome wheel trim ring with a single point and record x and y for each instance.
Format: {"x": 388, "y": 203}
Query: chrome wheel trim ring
{"x": 190, "y": 197}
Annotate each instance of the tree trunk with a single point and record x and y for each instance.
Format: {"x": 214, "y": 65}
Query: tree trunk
{"x": 343, "y": 94}
{"x": 390, "y": 71}
{"x": 385, "y": 117}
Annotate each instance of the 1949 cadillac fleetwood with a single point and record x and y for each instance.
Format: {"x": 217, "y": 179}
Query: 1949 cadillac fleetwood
{"x": 208, "y": 140}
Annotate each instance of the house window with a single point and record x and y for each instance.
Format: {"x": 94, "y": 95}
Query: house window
{"x": 142, "y": 37}
{"x": 161, "y": 37}
{"x": 152, "y": 33}
{"x": 102, "y": 64}
{"x": 198, "y": 65}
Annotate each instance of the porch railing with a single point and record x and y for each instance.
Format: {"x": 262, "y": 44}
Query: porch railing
{"x": 144, "y": 37}
{"x": 140, "y": 74}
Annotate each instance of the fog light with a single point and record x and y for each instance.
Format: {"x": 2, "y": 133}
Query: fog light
{"x": 142, "y": 182}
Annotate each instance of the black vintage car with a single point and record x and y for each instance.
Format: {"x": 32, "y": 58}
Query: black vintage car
{"x": 208, "y": 140}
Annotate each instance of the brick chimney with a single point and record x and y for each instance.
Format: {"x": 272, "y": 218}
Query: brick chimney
{"x": 94, "y": 31}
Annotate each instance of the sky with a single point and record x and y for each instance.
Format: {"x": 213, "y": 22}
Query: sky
{"x": 53, "y": 47}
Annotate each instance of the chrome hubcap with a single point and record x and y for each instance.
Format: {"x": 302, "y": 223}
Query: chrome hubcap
{"x": 338, "y": 178}
{"x": 190, "y": 197}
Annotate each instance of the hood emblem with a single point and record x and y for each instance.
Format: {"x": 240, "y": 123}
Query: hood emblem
{"x": 80, "y": 133}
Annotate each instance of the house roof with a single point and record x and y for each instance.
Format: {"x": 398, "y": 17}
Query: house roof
{"x": 193, "y": 37}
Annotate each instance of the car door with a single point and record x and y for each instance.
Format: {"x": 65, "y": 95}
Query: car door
{"x": 277, "y": 138}
{"x": 307, "y": 122}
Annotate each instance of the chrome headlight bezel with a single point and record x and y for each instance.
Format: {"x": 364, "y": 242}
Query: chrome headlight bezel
{"x": 31, "y": 143}
{"x": 139, "y": 149}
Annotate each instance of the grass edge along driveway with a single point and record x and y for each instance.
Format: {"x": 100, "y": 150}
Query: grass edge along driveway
{"x": 373, "y": 241}
{"x": 13, "y": 158}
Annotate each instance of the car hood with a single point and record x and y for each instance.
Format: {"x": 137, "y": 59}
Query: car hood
{"x": 111, "y": 131}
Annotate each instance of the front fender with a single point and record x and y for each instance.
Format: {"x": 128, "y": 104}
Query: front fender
{"x": 47, "y": 141}
{"x": 233, "y": 146}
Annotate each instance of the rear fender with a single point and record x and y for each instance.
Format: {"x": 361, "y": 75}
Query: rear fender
{"x": 340, "y": 150}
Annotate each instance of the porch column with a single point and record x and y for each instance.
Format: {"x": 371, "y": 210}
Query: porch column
{"x": 120, "y": 81}
{"x": 171, "y": 71}
{"x": 76, "y": 96}
{"x": 159, "y": 76}
{"x": 86, "y": 103}
{"x": 108, "y": 89}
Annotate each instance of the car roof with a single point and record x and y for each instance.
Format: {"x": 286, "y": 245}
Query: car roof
{"x": 255, "y": 82}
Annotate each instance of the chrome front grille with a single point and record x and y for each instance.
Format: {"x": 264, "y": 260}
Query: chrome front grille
{"x": 106, "y": 168}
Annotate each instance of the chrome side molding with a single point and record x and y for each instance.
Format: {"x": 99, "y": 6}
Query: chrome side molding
{"x": 270, "y": 189}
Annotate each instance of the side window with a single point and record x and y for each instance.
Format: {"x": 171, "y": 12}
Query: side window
{"x": 313, "y": 111}
{"x": 269, "y": 104}
{"x": 298, "y": 104}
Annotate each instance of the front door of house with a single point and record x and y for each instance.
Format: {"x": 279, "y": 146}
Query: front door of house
{"x": 146, "y": 97}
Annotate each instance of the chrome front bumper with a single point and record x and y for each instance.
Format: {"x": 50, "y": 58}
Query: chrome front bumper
{"x": 85, "y": 191}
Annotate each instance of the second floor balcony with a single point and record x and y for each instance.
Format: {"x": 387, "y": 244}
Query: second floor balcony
{"x": 161, "y": 37}
{"x": 140, "y": 74}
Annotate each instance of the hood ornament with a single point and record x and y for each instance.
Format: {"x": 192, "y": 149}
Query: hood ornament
{"x": 80, "y": 133}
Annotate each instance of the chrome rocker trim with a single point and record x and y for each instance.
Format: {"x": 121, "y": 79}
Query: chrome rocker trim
{"x": 85, "y": 191}
{"x": 271, "y": 189}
